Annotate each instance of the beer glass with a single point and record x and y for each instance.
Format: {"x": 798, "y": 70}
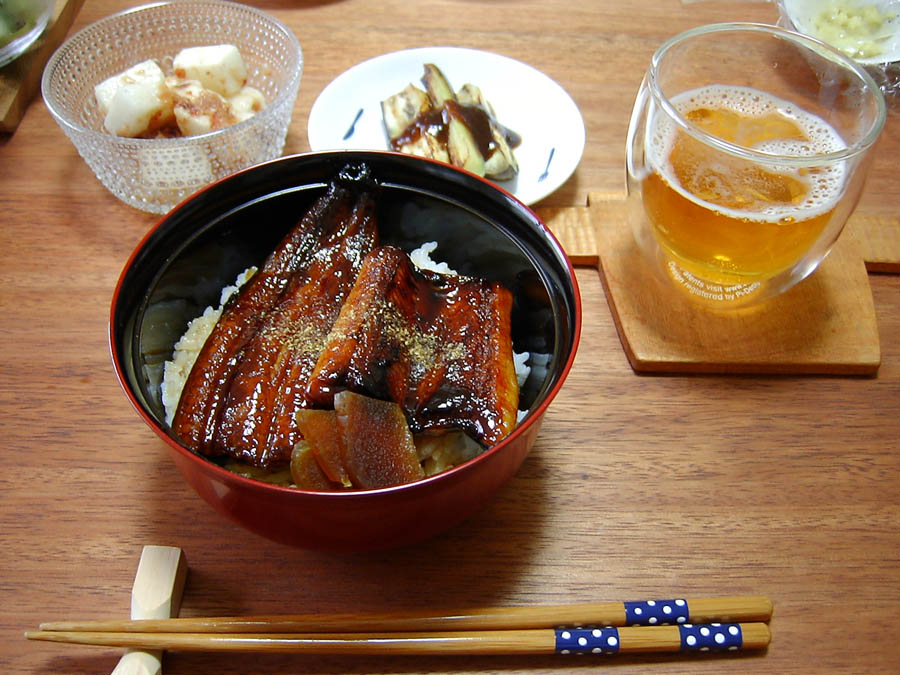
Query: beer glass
{"x": 747, "y": 151}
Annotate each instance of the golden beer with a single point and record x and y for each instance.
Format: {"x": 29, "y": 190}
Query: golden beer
{"x": 730, "y": 219}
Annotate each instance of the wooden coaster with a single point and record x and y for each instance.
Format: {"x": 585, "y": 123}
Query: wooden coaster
{"x": 824, "y": 325}
{"x": 879, "y": 242}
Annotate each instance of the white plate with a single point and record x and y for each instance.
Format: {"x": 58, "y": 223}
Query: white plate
{"x": 524, "y": 100}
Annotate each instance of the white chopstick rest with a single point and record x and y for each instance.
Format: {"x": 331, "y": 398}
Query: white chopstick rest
{"x": 156, "y": 594}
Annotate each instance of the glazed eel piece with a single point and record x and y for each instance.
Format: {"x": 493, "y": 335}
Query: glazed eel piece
{"x": 258, "y": 424}
{"x": 245, "y": 376}
{"x": 438, "y": 345}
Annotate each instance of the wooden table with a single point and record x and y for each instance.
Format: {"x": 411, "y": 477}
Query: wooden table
{"x": 638, "y": 486}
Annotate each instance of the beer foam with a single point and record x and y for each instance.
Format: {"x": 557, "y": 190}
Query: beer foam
{"x": 825, "y": 182}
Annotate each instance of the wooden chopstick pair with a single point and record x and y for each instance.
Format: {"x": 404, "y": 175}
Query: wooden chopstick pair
{"x": 703, "y": 624}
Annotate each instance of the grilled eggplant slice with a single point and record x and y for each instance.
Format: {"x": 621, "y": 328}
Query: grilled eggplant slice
{"x": 401, "y": 110}
{"x": 439, "y": 90}
{"x": 461, "y": 144}
{"x": 455, "y": 127}
{"x": 500, "y": 163}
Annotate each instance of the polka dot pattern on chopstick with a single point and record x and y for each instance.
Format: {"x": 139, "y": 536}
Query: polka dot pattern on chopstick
{"x": 717, "y": 637}
{"x": 656, "y": 612}
{"x": 587, "y": 640}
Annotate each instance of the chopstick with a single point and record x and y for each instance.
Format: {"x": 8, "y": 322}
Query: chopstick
{"x": 606, "y": 640}
{"x": 700, "y": 624}
{"x": 646, "y": 612}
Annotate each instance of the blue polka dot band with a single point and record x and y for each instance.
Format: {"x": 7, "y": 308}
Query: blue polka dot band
{"x": 656, "y": 612}
{"x": 587, "y": 640}
{"x": 713, "y": 637}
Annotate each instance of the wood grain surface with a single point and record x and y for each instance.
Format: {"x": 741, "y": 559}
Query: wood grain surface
{"x": 639, "y": 486}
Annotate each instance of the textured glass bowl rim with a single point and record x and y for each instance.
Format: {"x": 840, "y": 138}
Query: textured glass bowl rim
{"x": 809, "y": 43}
{"x": 285, "y": 92}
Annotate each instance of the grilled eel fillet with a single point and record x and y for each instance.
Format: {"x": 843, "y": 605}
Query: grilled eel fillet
{"x": 438, "y": 345}
{"x": 247, "y": 382}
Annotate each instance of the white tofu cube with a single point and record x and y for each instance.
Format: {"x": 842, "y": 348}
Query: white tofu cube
{"x": 246, "y": 103}
{"x": 106, "y": 90}
{"x": 198, "y": 110}
{"x": 138, "y": 107}
{"x": 219, "y": 68}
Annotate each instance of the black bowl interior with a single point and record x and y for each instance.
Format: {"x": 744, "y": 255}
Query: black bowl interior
{"x": 201, "y": 246}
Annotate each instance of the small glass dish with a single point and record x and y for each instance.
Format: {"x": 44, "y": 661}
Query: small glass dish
{"x": 156, "y": 174}
{"x": 23, "y": 21}
{"x": 868, "y": 31}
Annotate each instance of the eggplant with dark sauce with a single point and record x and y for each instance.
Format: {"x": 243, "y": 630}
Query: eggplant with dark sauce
{"x": 459, "y": 128}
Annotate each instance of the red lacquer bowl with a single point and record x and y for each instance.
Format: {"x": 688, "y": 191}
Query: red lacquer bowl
{"x": 199, "y": 247}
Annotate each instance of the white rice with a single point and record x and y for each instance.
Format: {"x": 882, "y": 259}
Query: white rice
{"x": 421, "y": 258}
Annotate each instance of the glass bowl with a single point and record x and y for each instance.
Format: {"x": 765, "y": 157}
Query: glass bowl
{"x": 29, "y": 19}
{"x": 871, "y": 40}
{"x": 155, "y": 174}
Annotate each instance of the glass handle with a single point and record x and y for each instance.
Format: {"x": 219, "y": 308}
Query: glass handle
{"x": 635, "y": 157}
